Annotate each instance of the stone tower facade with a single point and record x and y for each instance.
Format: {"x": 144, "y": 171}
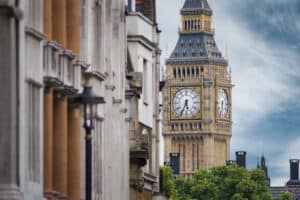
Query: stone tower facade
{"x": 197, "y": 99}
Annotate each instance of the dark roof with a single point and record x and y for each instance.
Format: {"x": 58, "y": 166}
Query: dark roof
{"x": 197, "y": 48}
{"x": 194, "y": 7}
{"x": 276, "y": 191}
{"x": 196, "y": 4}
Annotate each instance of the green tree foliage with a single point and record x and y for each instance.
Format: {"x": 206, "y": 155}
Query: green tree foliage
{"x": 285, "y": 196}
{"x": 223, "y": 183}
{"x": 169, "y": 187}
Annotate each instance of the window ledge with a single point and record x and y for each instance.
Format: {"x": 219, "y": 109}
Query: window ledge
{"x": 33, "y": 32}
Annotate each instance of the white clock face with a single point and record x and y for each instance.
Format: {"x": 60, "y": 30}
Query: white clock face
{"x": 222, "y": 104}
{"x": 186, "y": 103}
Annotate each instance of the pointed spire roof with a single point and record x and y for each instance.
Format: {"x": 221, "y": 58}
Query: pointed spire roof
{"x": 196, "y": 47}
{"x": 196, "y": 4}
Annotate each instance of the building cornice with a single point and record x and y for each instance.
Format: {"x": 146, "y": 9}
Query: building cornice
{"x": 143, "y": 41}
{"x": 140, "y": 15}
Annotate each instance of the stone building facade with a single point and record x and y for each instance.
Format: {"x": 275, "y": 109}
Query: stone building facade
{"x": 49, "y": 50}
{"x": 142, "y": 93}
{"x": 197, "y": 117}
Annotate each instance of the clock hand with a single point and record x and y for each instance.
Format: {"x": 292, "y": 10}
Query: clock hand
{"x": 185, "y": 105}
{"x": 182, "y": 110}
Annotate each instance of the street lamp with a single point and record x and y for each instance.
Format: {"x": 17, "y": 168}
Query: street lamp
{"x": 89, "y": 101}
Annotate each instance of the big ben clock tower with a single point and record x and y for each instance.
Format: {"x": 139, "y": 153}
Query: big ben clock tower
{"x": 197, "y": 95}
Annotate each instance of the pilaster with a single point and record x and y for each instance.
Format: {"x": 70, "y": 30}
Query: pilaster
{"x": 73, "y": 26}
{"x": 60, "y": 145}
{"x": 9, "y": 121}
{"x": 48, "y": 19}
{"x": 74, "y": 127}
{"x": 59, "y": 20}
{"x": 48, "y": 141}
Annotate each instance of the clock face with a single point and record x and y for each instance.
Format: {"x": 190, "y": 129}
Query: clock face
{"x": 222, "y": 104}
{"x": 186, "y": 103}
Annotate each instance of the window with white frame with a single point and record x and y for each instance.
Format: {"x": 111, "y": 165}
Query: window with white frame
{"x": 70, "y": 71}
{"x": 97, "y": 158}
{"x": 145, "y": 81}
{"x": 98, "y": 35}
{"x": 34, "y": 14}
{"x": 33, "y": 130}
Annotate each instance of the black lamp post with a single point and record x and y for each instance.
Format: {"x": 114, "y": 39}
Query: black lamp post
{"x": 89, "y": 101}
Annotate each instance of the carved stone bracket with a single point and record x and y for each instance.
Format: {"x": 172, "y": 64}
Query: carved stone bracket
{"x": 110, "y": 87}
{"x": 207, "y": 82}
{"x": 11, "y": 11}
{"x": 116, "y": 101}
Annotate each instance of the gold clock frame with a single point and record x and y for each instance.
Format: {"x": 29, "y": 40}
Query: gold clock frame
{"x": 228, "y": 116}
{"x": 173, "y": 114}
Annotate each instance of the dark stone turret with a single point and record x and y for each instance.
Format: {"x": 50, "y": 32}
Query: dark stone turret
{"x": 262, "y": 165}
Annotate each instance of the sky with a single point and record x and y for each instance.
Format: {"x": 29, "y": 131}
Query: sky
{"x": 261, "y": 39}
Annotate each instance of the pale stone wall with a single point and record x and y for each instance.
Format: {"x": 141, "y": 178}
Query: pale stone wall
{"x": 31, "y": 75}
{"x": 104, "y": 46}
{"x": 18, "y": 180}
{"x": 143, "y": 46}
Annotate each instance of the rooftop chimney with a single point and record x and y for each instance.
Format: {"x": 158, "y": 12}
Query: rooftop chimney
{"x": 294, "y": 169}
{"x": 241, "y": 158}
{"x": 294, "y": 172}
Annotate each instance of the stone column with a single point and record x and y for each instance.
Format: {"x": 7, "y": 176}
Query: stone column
{"x": 74, "y": 125}
{"x": 9, "y": 121}
{"x": 208, "y": 151}
{"x": 59, "y": 20}
{"x": 168, "y": 148}
{"x": 48, "y": 142}
{"x": 60, "y": 145}
{"x": 48, "y": 19}
{"x": 73, "y": 26}
{"x": 74, "y": 153}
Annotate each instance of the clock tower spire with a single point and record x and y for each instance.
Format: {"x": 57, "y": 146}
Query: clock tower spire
{"x": 197, "y": 96}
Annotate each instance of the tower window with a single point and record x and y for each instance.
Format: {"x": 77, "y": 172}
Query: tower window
{"x": 193, "y": 71}
{"x": 174, "y": 72}
{"x": 188, "y": 71}
{"x": 197, "y": 71}
{"x": 183, "y": 54}
{"x": 172, "y": 127}
{"x": 190, "y": 44}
